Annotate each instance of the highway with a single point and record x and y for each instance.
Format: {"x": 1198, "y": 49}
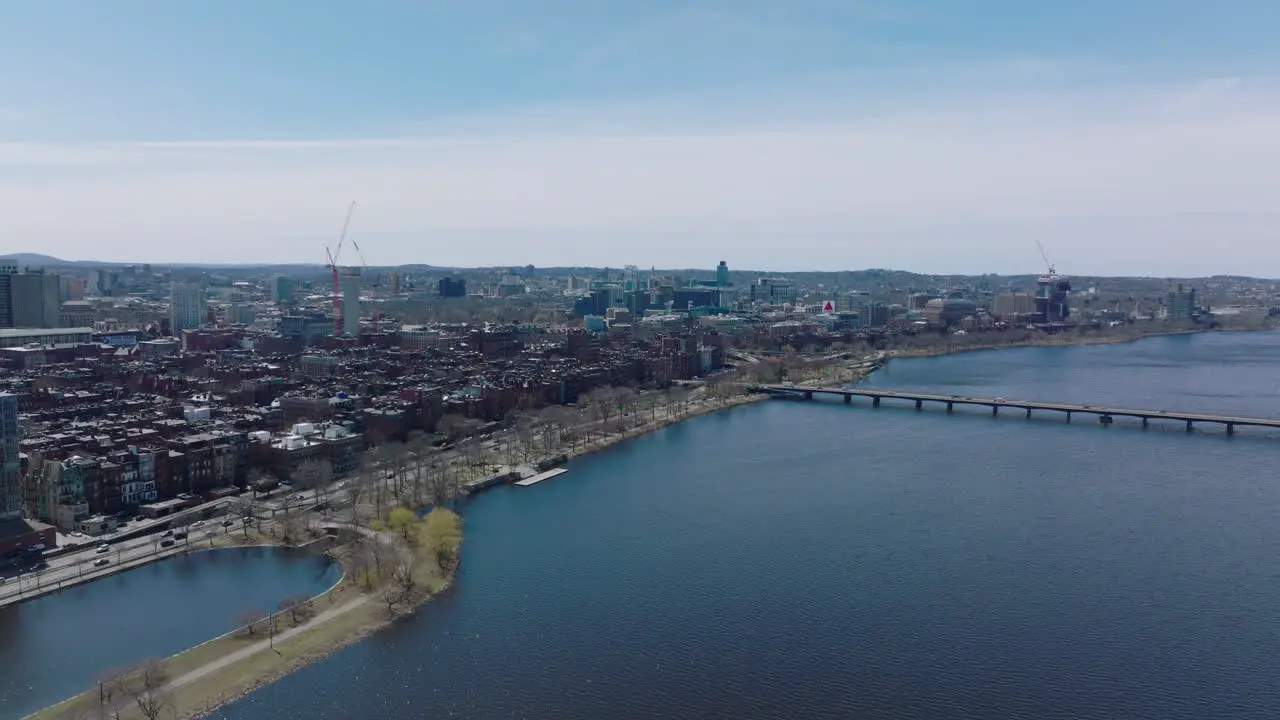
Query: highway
{"x": 74, "y": 568}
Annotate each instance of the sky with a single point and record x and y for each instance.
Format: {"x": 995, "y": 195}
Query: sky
{"x": 1129, "y": 137}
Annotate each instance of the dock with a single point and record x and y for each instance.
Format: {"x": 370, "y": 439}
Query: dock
{"x": 541, "y": 476}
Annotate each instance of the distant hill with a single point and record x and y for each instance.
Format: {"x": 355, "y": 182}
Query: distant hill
{"x": 34, "y": 259}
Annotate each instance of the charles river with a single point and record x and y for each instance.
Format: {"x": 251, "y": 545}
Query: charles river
{"x": 812, "y": 560}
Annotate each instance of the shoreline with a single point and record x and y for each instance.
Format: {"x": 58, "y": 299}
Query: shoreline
{"x": 1074, "y": 341}
{"x": 195, "y": 671}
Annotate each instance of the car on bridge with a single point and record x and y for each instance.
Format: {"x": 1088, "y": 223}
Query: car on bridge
{"x": 100, "y": 562}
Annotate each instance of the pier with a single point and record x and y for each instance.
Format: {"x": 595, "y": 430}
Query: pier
{"x": 541, "y": 476}
{"x": 1105, "y": 415}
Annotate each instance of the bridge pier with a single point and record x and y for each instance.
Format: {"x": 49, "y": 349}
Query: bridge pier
{"x": 1145, "y": 422}
{"x": 875, "y": 401}
{"x": 1068, "y": 416}
{"x": 1190, "y": 426}
{"x": 919, "y": 404}
{"x": 808, "y": 394}
{"x": 1028, "y": 413}
{"x": 995, "y": 411}
{"x": 951, "y": 406}
{"x": 848, "y": 399}
{"x": 1231, "y": 428}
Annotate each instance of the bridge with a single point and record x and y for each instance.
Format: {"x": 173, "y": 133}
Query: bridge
{"x": 1105, "y": 415}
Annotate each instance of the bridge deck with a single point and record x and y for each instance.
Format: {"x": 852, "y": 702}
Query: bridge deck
{"x": 797, "y": 391}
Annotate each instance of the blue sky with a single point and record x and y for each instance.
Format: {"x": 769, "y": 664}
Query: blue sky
{"x": 503, "y": 123}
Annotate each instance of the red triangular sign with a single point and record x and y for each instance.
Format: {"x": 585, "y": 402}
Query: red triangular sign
{"x": 827, "y": 307}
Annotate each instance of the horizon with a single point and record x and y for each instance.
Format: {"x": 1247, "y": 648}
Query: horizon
{"x": 321, "y": 267}
{"x": 1132, "y": 139}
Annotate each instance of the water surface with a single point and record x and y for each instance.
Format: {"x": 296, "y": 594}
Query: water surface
{"x": 57, "y": 645}
{"x": 811, "y": 560}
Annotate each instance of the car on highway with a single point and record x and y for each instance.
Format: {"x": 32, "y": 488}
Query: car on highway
{"x": 167, "y": 533}
{"x": 300, "y": 496}
{"x": 227, "y": 523}
{"x": 166, "y": 543}
{"x": 100, "y": 562}
{"x": 103, "y": 549}
{"x": 247, "y": 519}
{"x": 198, "y": 523}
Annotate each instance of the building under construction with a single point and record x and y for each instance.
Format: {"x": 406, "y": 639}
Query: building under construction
{"x": 1052, "y": 306}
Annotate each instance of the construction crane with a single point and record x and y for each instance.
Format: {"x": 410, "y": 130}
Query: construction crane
{"x": 1043, "y": 256}
{"x": 333, "y": 266}
{"x": 376, "y": 282}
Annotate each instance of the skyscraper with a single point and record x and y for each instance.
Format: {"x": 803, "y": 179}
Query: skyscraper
{"x": 722, "y": 274}
{"x": 10, "y": 468}
{"x": 1181, "y": 304}
{"x": 7, "y": 269}
{"x": 349, "y": 281}
{"x": 35, "y": 297}
{"x": 187, "y": 308}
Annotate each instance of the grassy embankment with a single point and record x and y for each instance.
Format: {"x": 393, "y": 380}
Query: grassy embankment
{"x": 382, "y": 581}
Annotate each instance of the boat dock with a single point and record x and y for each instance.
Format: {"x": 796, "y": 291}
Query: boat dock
{"x": 541, "y": 476}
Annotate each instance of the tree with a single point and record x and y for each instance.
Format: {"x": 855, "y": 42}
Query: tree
{"x": 452, "y": 427}
{"x": 314, "y": 474}
{"x": 441, "y": 485}
{"x": 113, "y": 690}
{"x": 442, "y": 535}
{"x": 250, "y": 620}
{"x": 402, "y": 520}
{"x": 298, "y": 607}
{"x": 147, "y": 688}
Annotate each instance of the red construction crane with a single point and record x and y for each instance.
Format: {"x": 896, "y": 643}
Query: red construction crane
{"x": 333, "y": 265}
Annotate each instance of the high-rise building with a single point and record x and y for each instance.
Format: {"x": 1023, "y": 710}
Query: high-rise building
{"x": 1051, "y": 298}
{"x": 874, "y": 314}
{"x": 349, "y": 283}
{"x": 187, "y": 308}
{"x": 773, "y": 290}
{"x": 1009, "y": 306}
{"x": 453, "y": 287}
{"x": 282, "y": 289}
{"x": 722, "y": 274}
{"x": 36, "y": 299}
{"x": 11, "y": 496}
{"x": 395, "y": 282}
{"x": 7, "y": 269}
{"x": 1181, "y": 304}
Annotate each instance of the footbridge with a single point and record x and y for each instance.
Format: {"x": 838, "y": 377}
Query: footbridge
{"x": 1106, "y": 415}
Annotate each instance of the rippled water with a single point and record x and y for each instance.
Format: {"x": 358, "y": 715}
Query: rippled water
{"x": 56, "y": 646}
{"x": 811, "y": 560}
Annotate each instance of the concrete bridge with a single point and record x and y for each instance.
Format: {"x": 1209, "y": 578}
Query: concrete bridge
{"x": 1106, "y": 415}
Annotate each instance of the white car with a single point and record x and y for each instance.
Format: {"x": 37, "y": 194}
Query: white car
{"x": 100, "y": 562}
{"x": 103, "y": 549}
{"x": 198, "y": 523}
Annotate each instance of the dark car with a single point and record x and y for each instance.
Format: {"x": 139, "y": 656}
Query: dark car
{"x": 166, "y": 543}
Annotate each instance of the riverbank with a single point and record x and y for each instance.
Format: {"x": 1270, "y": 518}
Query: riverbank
{"x": 354, "y": 608}
{"x": 198, "y": 680}
{"x": 1059, "y": 340}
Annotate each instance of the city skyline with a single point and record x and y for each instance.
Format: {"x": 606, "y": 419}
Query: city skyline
{"x": 1131, "y": 139}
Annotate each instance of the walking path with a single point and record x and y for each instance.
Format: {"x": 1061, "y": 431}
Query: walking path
{"x": 262, "y": 645}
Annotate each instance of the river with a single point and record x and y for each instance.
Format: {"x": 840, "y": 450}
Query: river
{"x": 812, "y": 560}
{"x": 57, "y": 645}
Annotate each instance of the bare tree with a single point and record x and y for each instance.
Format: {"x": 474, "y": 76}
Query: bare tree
{"x": 452, "y": 427}
{"x": 440, "y": 486}
{"x": 113, "y": 691}
{"x": 298, "y": 607}
{"x": 314, "y": 474}
{"x": 250, "y": 620}
{"x": 147, "y": 688}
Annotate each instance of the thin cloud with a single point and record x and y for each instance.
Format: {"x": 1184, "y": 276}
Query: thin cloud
{"x": 1122, "y": 181}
